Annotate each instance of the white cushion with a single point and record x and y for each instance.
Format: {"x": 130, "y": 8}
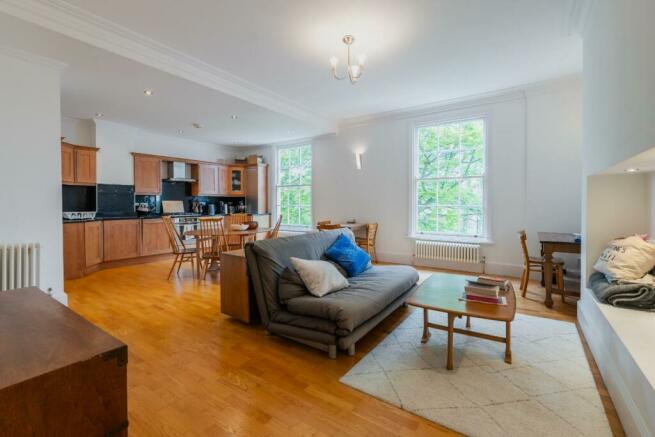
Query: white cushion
{"x": 626, "y": 259}
{"x": 320, "y": 277}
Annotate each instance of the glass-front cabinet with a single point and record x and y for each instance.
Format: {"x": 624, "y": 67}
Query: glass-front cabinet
{"x": 236, "y": 181}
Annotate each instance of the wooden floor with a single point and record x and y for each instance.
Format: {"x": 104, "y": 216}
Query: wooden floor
{"x": 193, "y": 371}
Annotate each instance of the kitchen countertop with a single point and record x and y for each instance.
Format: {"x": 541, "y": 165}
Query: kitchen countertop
{"x": 135, "y": 217}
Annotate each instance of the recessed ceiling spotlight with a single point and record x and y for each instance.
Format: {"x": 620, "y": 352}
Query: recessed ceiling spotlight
{"x": 197, "y": 125}
{"x": 631, "y": 170}
{"x": 148, "y": 92}
{"x": 180, "y": 131}
{"x": 99, "y": 114}
{"x": 234, "y": 117}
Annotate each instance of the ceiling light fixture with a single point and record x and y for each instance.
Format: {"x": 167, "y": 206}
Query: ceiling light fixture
{"x": 99, "y": 114}
{"x": 234, "y": 117}
{"x": 354, "y": 71}
{"x": 631, "y": 170}
{"x": 197, "y": 125}
{"x": 180, "y": 131}
{"x": 148, "y": 92}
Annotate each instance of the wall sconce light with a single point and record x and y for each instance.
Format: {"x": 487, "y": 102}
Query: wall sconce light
{"x": 358, "y": 160}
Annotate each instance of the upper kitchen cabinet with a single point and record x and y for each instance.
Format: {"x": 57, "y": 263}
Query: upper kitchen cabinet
{"x": 236, "y": 181}
{"x": 210, "y": 180}
{"x": 147, "y": 174}
{"x": 78, "y": 164}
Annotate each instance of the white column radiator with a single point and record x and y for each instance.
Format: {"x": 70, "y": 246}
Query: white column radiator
{"x": 19, "y": 265}
{"x": 448, "y": 251}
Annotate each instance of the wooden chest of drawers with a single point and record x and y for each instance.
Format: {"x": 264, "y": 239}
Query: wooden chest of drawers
{"x": 59, "y": 374}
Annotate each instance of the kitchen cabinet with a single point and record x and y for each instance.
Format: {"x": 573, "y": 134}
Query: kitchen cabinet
{"x": 121, "y": 239}
{"x": 93, "y": 243}
{"x": 78, "y": 164}
{"x": 211, "y": 180}
{"x": 147, "y": 174}
{"x": 154, "y": 238}
{"x": 257, "y": 188}
{"x": 74, "y": 262}
{"x": 67, "y": 164}
{"x": 236, "y": 181}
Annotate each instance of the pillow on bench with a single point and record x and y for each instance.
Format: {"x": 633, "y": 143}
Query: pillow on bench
{"x": 626, "y": 259}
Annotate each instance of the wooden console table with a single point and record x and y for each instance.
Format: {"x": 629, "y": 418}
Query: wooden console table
{"x": 237, "y": 297}
{"x": 59, "y": 374}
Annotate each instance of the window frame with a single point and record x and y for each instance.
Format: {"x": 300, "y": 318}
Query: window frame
{"x": 433, "y": 121}
{"x": 278, "y": 149}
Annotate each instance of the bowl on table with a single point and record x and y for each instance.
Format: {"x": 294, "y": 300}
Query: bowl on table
{"x": 239, "y": 226}
{"x": 252, "y": 225}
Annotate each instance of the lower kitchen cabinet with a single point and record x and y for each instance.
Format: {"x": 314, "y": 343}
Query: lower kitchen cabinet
{"x": 155, "y": 238}
{"x": 121, "y": 239}
{"x": 74, "y": 261}
{"x": 93, "y": 243}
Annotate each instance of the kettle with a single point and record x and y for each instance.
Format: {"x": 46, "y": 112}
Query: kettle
{"x": 211, "y": 209}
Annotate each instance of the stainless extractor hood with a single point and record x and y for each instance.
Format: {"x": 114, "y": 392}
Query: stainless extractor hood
{"x": 177, "y": 172}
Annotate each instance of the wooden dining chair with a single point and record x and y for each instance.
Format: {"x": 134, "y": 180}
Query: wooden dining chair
{"x": 273, "y": 232}
{"x": 211, "y": 244}
{"x": 536, "y": 264}
{"x": 368, "y": 242}
{"x": 234, "y": 242}
{"x": 184, "y": 252}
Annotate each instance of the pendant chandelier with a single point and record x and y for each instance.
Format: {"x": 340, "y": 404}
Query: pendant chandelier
{"x": 353, "y": 71}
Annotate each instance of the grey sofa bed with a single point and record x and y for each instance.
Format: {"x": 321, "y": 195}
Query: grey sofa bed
{"x": 337, "y": 320}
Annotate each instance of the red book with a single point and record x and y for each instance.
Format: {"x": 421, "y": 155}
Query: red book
{"x": 484, "y": 299}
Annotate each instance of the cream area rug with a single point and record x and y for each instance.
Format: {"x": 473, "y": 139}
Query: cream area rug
{"x": 548, "y": 390}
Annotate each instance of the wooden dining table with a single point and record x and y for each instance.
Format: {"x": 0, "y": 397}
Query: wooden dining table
{"x": 243, "y": 235}
{"x": 555, "y": 242}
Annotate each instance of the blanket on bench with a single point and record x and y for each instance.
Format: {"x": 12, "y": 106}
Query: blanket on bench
{"x": 626, "y": 295}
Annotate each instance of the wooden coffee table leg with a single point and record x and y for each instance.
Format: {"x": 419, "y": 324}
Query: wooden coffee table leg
{"x": 451, "y": 322}
{"x": 508, "y": 345}
{"x": 426, "y": 329}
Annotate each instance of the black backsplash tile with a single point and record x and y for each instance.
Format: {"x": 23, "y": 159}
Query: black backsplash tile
{"x": 115, "y": 200}
{"x": 78, "y": 198}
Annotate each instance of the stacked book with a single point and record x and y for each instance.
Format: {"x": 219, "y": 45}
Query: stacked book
{"x": 486, "y": 289}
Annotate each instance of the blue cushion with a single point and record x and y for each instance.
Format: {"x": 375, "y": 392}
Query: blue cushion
{"x": 348, "y": 255}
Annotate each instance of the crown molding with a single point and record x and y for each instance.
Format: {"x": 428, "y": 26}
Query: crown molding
{"x": 32, "y": 58}
{"x": 62, "y": 17}
{"x": 475, "y": 100}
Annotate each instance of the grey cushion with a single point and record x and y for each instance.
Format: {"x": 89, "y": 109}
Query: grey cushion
{"x": 367, "y": 295}
{"x": 274, "y": 255}
{"x": 313, "y": 323}
{"x": 290, "y": 285}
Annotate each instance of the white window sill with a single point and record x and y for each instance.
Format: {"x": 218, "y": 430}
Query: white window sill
{"x": 451, "y": 239}
{"x": 295, "y": 230}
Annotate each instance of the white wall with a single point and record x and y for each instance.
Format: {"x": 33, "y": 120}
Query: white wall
{"x": 76, "y": 131}
{"x": 619, "y": 90}
{"x": 534, "y": 171}
{"x": 117, "y": 141}
{"x": 30, "y": 162}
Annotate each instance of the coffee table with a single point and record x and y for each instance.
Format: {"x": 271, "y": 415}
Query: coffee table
{"x": 442, "y": 292}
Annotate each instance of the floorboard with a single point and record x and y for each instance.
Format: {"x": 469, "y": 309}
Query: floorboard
{"x": 194, "y": 371}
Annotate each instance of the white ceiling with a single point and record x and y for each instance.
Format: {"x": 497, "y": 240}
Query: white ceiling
{"x": 268, "y": 60}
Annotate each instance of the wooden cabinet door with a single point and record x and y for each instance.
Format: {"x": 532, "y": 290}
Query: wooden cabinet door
{"x": 85, "y": 166}
{"x": 207, "y": 183}
{"x": 147, "y": 175}
{"x": 121, "y": 239}
{"x": 154, "y": 238}
{"x": 73, "y": 250}
{"x": 93, "y": 243}
{"x": 67, "y": 164}
{"x": 223, "y": 180}
{"x": 236, "y": 181}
